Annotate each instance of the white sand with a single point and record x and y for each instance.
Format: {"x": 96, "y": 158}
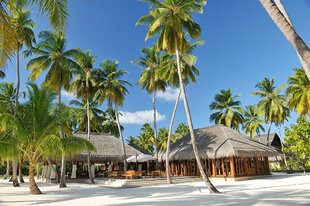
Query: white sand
{"x": 279, "y": 189}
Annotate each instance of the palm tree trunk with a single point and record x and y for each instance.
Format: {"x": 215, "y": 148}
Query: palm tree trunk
{"x": 282, "y": 146}
{"x": 169, "y": 181}
{"x": 38, "y": 172}
{"x": 191, "y": 128}
{"x": 15, "y": 163}
{"x": 283, "y": 11}
{"x": 8, "y": 168}
{"x": 289, "y": 32}
{"x": 155, "y": 129}
{"x": 268, "y": 133}
{"x": 14, "y": 175}
{"x": 121, "y": 135}
{"x": 91, "y": 178}
{"x": 34, "y": 190}
{"x": 62, "y": 182}
{"x": 20, "y": 172}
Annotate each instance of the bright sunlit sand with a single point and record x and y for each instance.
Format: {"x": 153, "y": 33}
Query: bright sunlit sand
{"x": 279, "y": 189}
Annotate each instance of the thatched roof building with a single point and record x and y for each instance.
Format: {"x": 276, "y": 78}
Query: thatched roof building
{"x": 217, "y": 142}
{"x": 109, "y": 148}
{"x": 223, "y": 152}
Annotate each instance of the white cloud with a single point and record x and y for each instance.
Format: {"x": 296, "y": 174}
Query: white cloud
{"x": 170, "y": 95}
{"x": 67, "y": 95}
{"x": 140, "y": 117}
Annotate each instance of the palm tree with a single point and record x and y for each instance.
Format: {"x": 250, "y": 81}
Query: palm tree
{"x": 162, "y": 138}
{"x": 298, "y": 92}
{"x": 169, "y": 72}
{"x": 252, "y": 122}
{"x": 170, "y": 19}
{"x": 22, "y": 25}
{"x": 181, "y": 130}
{"x": 57, "y": 11}
{"x": 113, "y": 89}
{"x": 84, "y": 86}
{"x": 272, "y": 104}
{"x": 229, "y": 112}
{"x": 52, "y": 56}
{"x": 150, "y": 79}
{"x": 7, "y": 98}
{"x": 281, "y": 19}
{"x": 36, "y": 130}
{"x": 109, "y": 125}
{"x": 81, "y": 115}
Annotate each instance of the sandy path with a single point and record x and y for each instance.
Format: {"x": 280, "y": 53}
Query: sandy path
{"x": 279, "y": 189}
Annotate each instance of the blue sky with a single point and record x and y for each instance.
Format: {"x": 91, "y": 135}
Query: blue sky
{"x": 242, "y": 46}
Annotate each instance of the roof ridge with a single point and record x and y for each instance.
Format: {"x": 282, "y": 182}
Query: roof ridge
{"x": 228, "y": 139}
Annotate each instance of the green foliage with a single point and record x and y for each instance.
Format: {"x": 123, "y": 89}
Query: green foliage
{"x": 252, "y": 122}
{"x": 297, "y": 143}
{"x": 171, "y": 20}
{"x": 180, "y": 131}
{"x": 229, "y": 112}
{"x": 109, "y": 125}
{"x": 272, "y": 105}
{"x": 298, "y": 92}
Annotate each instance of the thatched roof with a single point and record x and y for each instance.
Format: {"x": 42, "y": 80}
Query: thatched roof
{"x": 109, "y": 148}
{"x": 274, "y": 140}
{"x": 216, "y": 142}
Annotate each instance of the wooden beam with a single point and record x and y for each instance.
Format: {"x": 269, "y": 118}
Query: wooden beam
{"x": 232, "y": 167}
{"x": 214, "y": 167}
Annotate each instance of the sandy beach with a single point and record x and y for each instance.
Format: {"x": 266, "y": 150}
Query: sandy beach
{"x": 279, "y": 189}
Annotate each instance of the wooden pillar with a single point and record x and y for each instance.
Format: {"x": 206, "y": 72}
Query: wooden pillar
{"x": 232, "y": 167}
{"x": 206, "y": 168}
{"x": 267, "y": 165}
{"x": 246, "y": 171}
{"x": 223, "y": 167}
{"x": 214, "y": 167}
{"x": 210, "y": 166}
{"x": 226, "y": 164}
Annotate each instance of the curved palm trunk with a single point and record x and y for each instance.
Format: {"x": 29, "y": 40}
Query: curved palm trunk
{"x": 8, "y": 168}
{"x": 121, "y": 135}
{"x": 169, "y": 181}
{"x": 289, "y": 32}
{"x": 15, "y": 163}
{"x": 283, "y": 11}
{"x": 91, "y": 178}
{"x": 34, "y": 189}
{"x": 282, "y": 146}
{"x": 62, "y": 182}
{"x": 155, "y": 129}
{"x": 191, "y": 128}
{"x": 268, "y": 133}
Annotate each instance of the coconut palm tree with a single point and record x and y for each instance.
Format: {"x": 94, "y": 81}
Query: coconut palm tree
{"x": 228, "y": 110}
{"x": 272, "y": 104}
{"x": 171, "y": 19}
{"x": 181, "y": 130}
{"x": 52, "y": 56}
{"x": 81, "y": 116}
{"x": 22, "y": 25}
{"x": 298, "y": 92}
{"x": 162, "y": 138}
{"x": 109, "y": 125}
{"x": 113, "y": 89}
{"x": 35, "y": 131}
{"x": 83, "y": 87}
{"x": 252, "y": 122}
{"x": 57, "y": 11}
{"x": 150, "y": 80}
{"x": 281, "y": 19}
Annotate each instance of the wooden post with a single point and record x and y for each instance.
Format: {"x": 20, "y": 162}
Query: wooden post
{"x": 245, "y": 166}
{"x": 232, "y": 167}
{"x": 214, "y": 167}
{"x": 267, "y": 165}
{"x": 226, "y": 164}
{"x": 210, "y": 166}
{"x": 206, "y": 168}
{"x": 223, "y": 167}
